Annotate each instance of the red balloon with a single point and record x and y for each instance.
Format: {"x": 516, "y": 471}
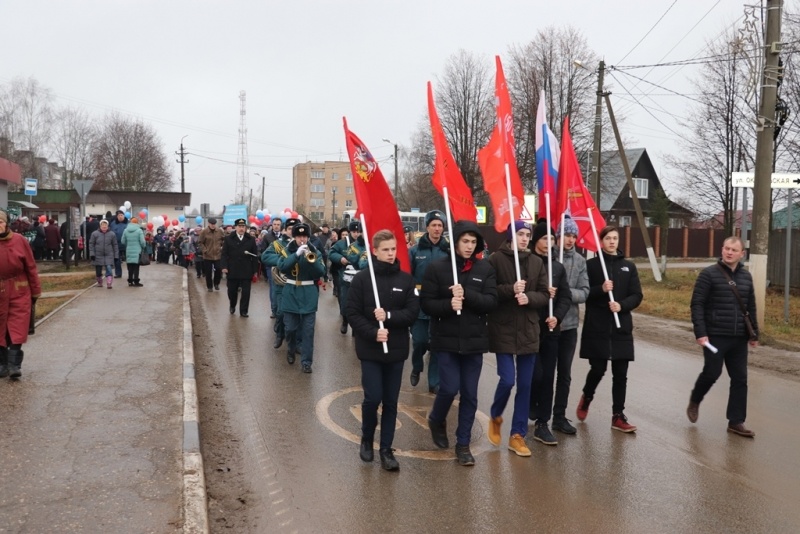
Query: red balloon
{"x": 266, "y": 218}
{"x": 166, "y": 217}
{"x": 149, "y": 226}
{"x": 166, "y": 222}
{"x": 142, "y": 215}
{"x": 287, "y": 210}
{"x": 294, "y": 214}
{"x": 42, "y": 218}
{"x": 175, "y": 222}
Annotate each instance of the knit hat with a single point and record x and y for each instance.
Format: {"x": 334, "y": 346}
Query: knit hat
{"x": 569, "y": 227}
{"x": 518, "y": 225}
{"x": 134, "y": 221}
{"x": 103, "y": 221}
{"x": 434, "y": 215}
{"x": 540, "y": 231}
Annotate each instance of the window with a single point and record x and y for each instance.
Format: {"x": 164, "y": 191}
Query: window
{"x": 624, "y": 221}
{"x": 317, "y": 188}
{"x": 348, "y": 190}
{"x": 317, "y": 215}
{"x": 348, "y": 176}
{"x": 317, "y": 202}
{"x": 348, "y": 203}
{"x": 318, "y": 174}
{"x": 675, "y": 223}
{"x": 642, "y": 187}
{"x": 335, "y": 176}
{"x": 648, "y": 222}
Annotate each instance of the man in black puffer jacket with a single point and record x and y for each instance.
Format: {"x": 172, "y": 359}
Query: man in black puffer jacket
{"x": 718, "y": 321}
{"x": 381, "y": 371}
{"x": 459, "y": 340}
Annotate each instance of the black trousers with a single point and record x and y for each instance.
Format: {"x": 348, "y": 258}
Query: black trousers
{"x": 733, "y": 353}
{"x": 619, "y": 385}
{"x": 208, "y": 267}
{"x": 233, "y": 292}
{"x": 133, "y": 272}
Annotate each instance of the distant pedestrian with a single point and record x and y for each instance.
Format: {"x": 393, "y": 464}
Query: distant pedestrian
{"x": 118, "y": 226}
{"x": 103, "y": 251}
{"x": 52, "y": 238}
{"x": 19, "y": 289}
{"x": 723, "y": 303}
{"x": 134, "y": 243}
{"x": 210, "y": 244}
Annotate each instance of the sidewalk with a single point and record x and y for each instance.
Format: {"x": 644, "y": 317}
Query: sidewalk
{"x": 100, "y": 433}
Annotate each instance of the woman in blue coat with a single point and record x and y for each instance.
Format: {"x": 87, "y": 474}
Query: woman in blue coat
{"x": 133, "y": 244}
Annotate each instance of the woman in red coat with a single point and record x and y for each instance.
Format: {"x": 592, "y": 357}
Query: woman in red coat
{"x": 19, "y": 288}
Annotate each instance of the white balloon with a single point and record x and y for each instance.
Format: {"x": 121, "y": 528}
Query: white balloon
{"x": 127, "y": 205}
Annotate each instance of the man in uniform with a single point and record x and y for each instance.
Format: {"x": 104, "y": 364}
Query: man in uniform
{"x": 347, "y": 252}
{"x": 303, "y": 268}
{"x": 430, "y": 247}
{"x": 210, "y": 244}
{"x": 239, "y": 256}
{"x": 274, "y": 252}
{"x": 274, "y": 232}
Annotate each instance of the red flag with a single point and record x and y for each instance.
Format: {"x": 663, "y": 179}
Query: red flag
{"x": 498, "y": 152}
{"x": 573, "y": 197}
{"x": 446, "y": 172}
{"x": 375, "y": 200}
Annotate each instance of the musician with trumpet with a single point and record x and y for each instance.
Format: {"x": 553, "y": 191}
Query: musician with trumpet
{"x": 303, "y": 268}
{"x": 239, "y": 264}
{"x": 348, "y": 252}
{"x": 270, "y": 257}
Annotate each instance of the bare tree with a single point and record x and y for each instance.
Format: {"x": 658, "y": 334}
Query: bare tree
{"x": 73, "y": 137}
{"x": 417, "y": 190}
{"x": 547, "y": 63}
{"x": 25, "y": 116}
{"x": 128, "y": 157}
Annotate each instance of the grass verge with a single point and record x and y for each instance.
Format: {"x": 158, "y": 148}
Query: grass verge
{"x": 80, "y": 280}
{"x": 45, "y": 306}
{"x": 671, "y": 297}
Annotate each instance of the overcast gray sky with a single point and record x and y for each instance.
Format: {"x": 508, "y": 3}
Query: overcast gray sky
{"x": 179, "y": 65}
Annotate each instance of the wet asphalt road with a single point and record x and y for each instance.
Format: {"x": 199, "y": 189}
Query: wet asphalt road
{"x": 300, "y": 437}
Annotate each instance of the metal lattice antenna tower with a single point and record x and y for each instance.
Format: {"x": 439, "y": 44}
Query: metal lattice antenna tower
{"x": 242, "y": 160}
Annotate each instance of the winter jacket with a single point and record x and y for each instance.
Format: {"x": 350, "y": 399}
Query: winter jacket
{"x": 240, "y": 265}
{"x": 118, "y": 228}
{"x": 397, "y": 295}
{"x": 514, "y": 329}
{"x": 578, "y": 280}
{"x": 600, "y": 337}
{"x": 103, "y": 247}
{"x": 715, "y": 310}
{"x": 19, "y": 283}
{"x": 300, "y": 299}
{"x": 353, "y": 250}
{"x": 561, "y": 302}
{"x": 133, "y": 243}
{"x": 466, "y": 333}
{"x": 52, "y": 236}
{"x": 422, "y": 254}
{"x": 211, "y": 243}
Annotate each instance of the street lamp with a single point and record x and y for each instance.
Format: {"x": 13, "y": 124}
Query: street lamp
{"x": 182, "y": 161}
{"x": 263, "y": 183}
{"x": 395, "y": 164}
{"x": 598, "y": 127}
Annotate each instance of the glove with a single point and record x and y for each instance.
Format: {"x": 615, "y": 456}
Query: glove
{"x": 302, "y": 250}
{"x": 92, "y": 258}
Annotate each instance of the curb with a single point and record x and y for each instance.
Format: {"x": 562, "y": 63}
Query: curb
{"x": 49, "y": 315}
{"x": 195, "y": 499}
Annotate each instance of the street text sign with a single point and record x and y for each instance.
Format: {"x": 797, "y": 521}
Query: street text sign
{"x": 780, "y": 180}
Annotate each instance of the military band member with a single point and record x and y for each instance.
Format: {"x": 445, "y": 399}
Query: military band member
{"x": 239, "y": 262}
{"x": 347, "y": 252}
{"x": 274, "y": 252}
{"x": 303, "y": 267}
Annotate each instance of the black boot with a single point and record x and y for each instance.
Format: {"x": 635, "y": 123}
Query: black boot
{"x": 3, "y": 362}
{"x": 15, "y": 363}
{"x": 464, "y": 455}
{"x": 439, "y": 434}
{"x": 137, "y": 283}
{"x": 366, "y": 453}
{"x": 388, "y": 461}
{"x": 343, "y": 329}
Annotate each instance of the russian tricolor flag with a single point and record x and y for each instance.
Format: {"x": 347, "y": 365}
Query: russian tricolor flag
{"x": 548, "y": 155}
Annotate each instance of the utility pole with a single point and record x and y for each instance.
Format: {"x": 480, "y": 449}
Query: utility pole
{"x": 395, "y": 166}
{"x": 182, "y": 161}
{"x": 639, "y": 215}
{"x": 762, "y": 188}
{"x": 598, "y": 132}
{"x": 263, "y": 186}
{"x": 333, "y": 215}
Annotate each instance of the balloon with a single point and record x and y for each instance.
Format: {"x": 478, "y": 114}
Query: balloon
{"x": 287, "y": 210}
{"x": 175, "y": 222}
{"x": 260, "y": 215}
{"x": 294, "y": 214}
{"x": 42, "y": 218}
{"x": 165, "y": 223}
{"x": 181, "y": 217}
{"x": 127, "y": 205}
{"x": 144, "y": 210}
{"x": 149, "y": 226}
{"x": 142, "y": 214}
{"x": 127, "y": 215}
{"x": 198, "y": 220}
{"x": 166, "y": 217}
{"x": 284, "y": 217}
{"x": 266, "y": 218}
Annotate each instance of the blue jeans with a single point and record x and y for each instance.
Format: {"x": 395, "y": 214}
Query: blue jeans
{"x": 300, "y": 331}
{"x": 506, "y": 371}
{"x": 458, "y": 374}
{"x": 381, "y": 383}
{"x": 118, "y": 265}
{"x": 420, "y": 339}
{"x": 98, "y": 270}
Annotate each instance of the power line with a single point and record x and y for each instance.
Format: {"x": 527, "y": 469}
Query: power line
{"x": 648, "y": 31}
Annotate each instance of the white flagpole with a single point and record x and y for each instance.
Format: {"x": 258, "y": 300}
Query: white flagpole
{"x": 452, "y": 244}
{"x": 561, "y": 247}
{"x": 602, "y": 262}
{"x": 511, "y": 219}
{"x": 549, "y": 253}
{"x": 372, "y": 275}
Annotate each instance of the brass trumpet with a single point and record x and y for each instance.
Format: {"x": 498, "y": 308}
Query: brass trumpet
{"x": 311, "y": 255}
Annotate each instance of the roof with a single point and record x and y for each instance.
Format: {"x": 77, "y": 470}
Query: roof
{"x": 116, "y": 198}
{"x": 779, "y": 217}
{"x": 612, "y": 175}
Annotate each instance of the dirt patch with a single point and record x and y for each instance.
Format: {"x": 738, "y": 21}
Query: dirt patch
{"x": 223, "y": 458}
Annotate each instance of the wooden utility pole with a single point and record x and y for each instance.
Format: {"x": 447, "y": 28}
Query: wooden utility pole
{"x": 765, "y": 148}
{"x": 598, "y": 132}
{"x": 639, "y": 215}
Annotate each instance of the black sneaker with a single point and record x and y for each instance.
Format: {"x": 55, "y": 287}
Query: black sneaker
{"x": 542, "y": 433}
{"x": 464, "y": 455}
{"x": 290, "y": 357}
{"x": 366, "y": 452}
{"x": 563, "y": 425}
{"x": 388, "y": 461}
{"x": 439, "y": 434}
{"x": 307, "y": 368}
{"x": 414, "y": 378}
{"x": 216, "y": 286}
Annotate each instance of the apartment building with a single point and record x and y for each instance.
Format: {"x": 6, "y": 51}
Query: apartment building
{"x": 322, "y": 191}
